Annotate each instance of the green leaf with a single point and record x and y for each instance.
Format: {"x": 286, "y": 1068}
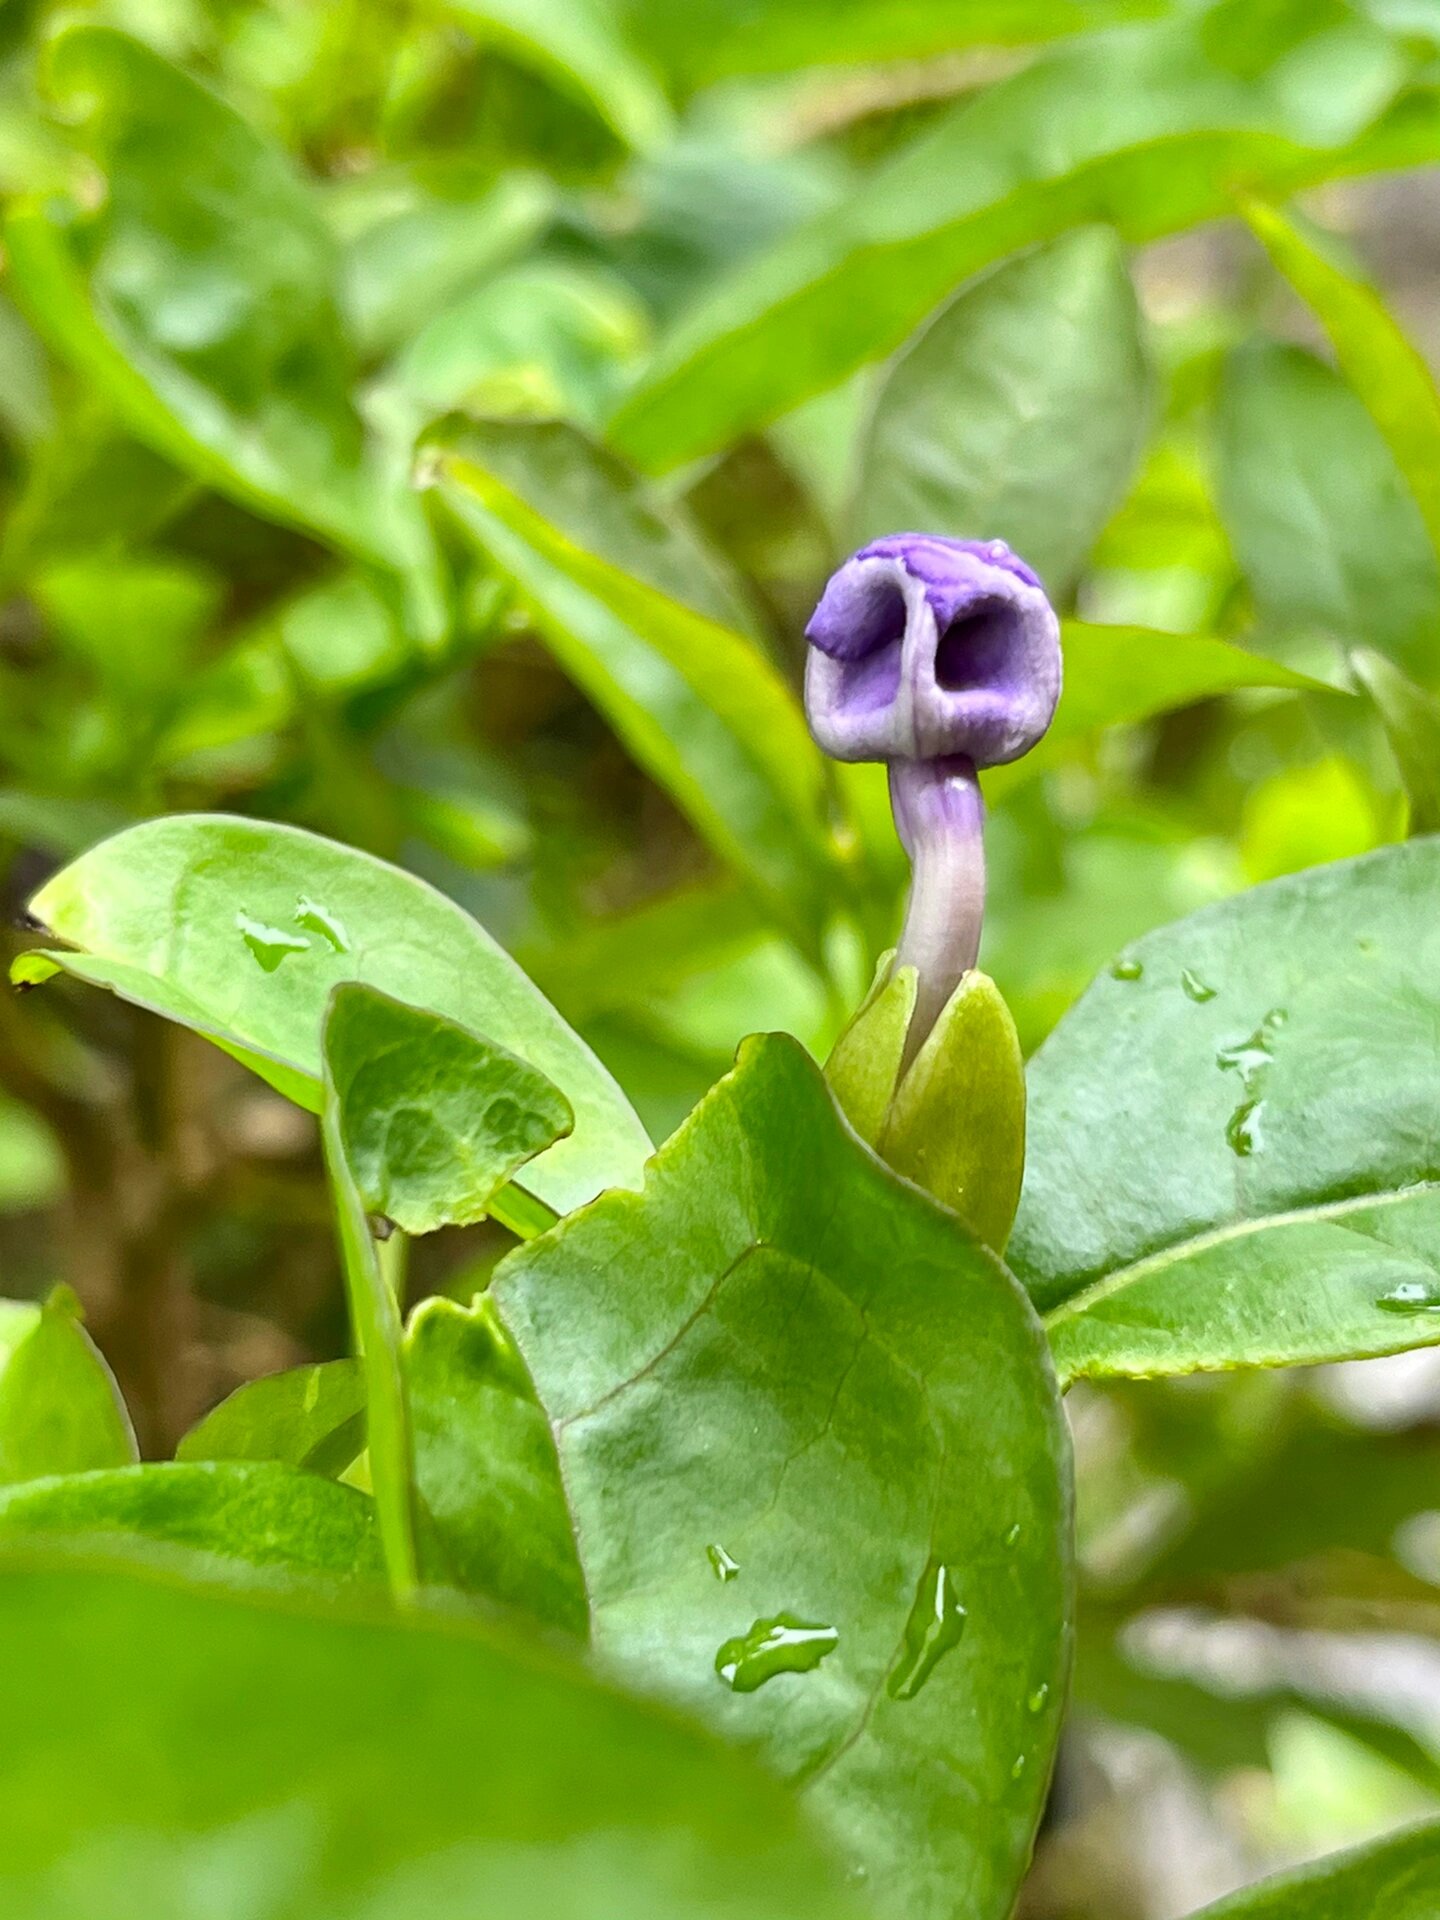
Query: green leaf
{"x": 635, "y": 612}
{"x": 240, "y": 929}
{"x": 1381, "y": 365}
{"x": 199, "y": 298}
{"x": 375, "y": 1322}
{"x": 864, "y": 1064}
{"x": 1411, "y": 718}
{"x": 956, "y": 1125}
{"x": 257, "y": 1513}
{"x": 803, "y": 1420}
{"x": 60, "y": 1409}
{"x": 1393, "y": 1879}
{"x": 1017, "y": 413}
{"x": 1321, "y": 519}
{"x": 486, "y": 1467}
{"x": 1142, "y": 128}
{"x": 577, "y": 45}
{"x": 1232, "y": 1155}
{"x": 433, "y": 1118}
{"x": 1116, "y": 676}
{"x": 284, "y": 1757}
{"x": 311, "y": 1417}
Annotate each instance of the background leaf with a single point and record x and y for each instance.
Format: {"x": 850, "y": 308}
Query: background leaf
{"x": 828, "y": 1383}
{"x": 60, "y": 1410}
{"x": 1399, "y": 1878}
{"x": 311, "y": 1417}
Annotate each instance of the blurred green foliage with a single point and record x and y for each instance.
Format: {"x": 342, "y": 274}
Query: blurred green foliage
{"x": 431, "y": 424}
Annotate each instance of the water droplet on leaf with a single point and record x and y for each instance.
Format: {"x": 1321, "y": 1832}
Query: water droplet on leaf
{"x": 1037, "y": 1700}
{"x": 1242, "y": 1130}
{"x": 1411, "y": 1296}
{"x": 1012, "y": 1535}
{"x": 1019, "y": 1767}
{"x": 270, "y": 945}
{"x": 1195, "y": 988}
{"x": 317, "y": 919}
{"x": 1126, "y": 970}
{"x": 782, "y": 1644}
{"x": 936, "y": 1622}
{"x": 721, "y": 1565}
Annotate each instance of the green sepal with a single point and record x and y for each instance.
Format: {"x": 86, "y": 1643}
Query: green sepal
{"x": 864, "y": 1065}
{"x": 956, "y": 1125}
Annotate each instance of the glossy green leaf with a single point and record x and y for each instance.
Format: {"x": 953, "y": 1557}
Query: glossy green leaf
{"x": 199, "y": 297}
{"x": 287, "y": 1757}
{"x": 60, "y": 1409}
{"x": 1320, "y": 516}
{"x": 311, "y": 1417}
{"x": 813, "y": 1453}
{"x": 637, "y": 614}
{"x": 1017, "y": 413}
{"x": 257, "y": 1513}
{"x": 434, "y": 1119}
{"x": 577, "y": 44}
{"x": 956, "y": 1125}
{"x": 1144, "y": 128}
{"x": 240, "y": 929}
{"x": 1232, "y": 1135}
{"x": 1411, "y": 718}
{"x": 374, "y": 1318}
{"x": 1393, "y": 1879}
{"x": 1379, "y": 362}
{"x": 486, "y": 1467}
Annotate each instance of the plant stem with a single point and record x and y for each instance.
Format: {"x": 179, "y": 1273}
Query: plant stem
{"x": 940, "y": 818}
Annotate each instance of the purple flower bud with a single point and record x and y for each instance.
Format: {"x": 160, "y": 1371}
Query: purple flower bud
{"x": 939, "y": 657}
{"x": 922, "y": 646}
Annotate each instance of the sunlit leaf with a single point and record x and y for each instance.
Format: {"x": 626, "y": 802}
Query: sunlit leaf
{"x": 818, "y": 1478}
{"x": 60, "y": 1409}
{"x": 311, "y": 1417}
{"x": 1398, "y": 1878}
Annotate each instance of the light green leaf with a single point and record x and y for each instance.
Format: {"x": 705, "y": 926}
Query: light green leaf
{"x": 803, "y": 1421}
{"x": 1321, "y": 519}
{"x": 1143, "y": 127}
{"x": 198, "y": 297}
{"x": 1381, "y": 365}
{"x": 240, "y": 929}
{"x": 1411, "y": 717}
{"x": 257, "y": 1513}
{"x": 433, "y": 1118}
{"x": 1394, "y": 1879}
{"x": 60, "y": 1409}
{"x": 1232, "y": 1135}
{"x": 282, "y": 1757}
{"x": 637, "y": 614}
{"x": 311, "y": 1417}
{"x": 864, "y": 1064}
{"x": 956, "y": 1125}
{"x": 486, "y": 1468}
{"x": 1017, "y": 413}
{"x": 1116, "y": 676}
{"x": 579, "y": 46}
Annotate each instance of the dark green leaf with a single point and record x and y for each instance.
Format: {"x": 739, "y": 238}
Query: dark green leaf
{"x": 636, "y": 613}
{"x": 1320, "y": 516}
{"x": 60, "y": 1409}
{"x": 782, "y": 1356}
{"x": 1232, "y": 1155}
{"x": 486, "y": 1467}
{"x": 1144, "y": 128}
{"x": 1017, "y": 413}
{"x": 240, "y": 930}
{"x": 309, "y": 1758}
{"x": 311, "y": 1417}
{"x": 434, "y": 1119}
{"x": 258, "y": 1513}
{"x": 1395, "y": 1879}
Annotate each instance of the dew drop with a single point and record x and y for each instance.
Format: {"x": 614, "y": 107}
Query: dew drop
{"x": 1012, "y": 1535}
{"x": 721, "y": 1564}
{"x": 936, "y": 1622}
{"x": 1242, "y": 1129}
{"x": 1126, "y": 970}
{"x": 1195, "y": 988}
{"x": 1246, "y": 1057}
{"x": 1018, "y": 1769}
{"x": 1411, "y": 1296}
{"x": 1037, "y": 1700}
{"x": 781, "y": 1644}
{"x": 270, "y": 945}
{"x": 317, "y": 919}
